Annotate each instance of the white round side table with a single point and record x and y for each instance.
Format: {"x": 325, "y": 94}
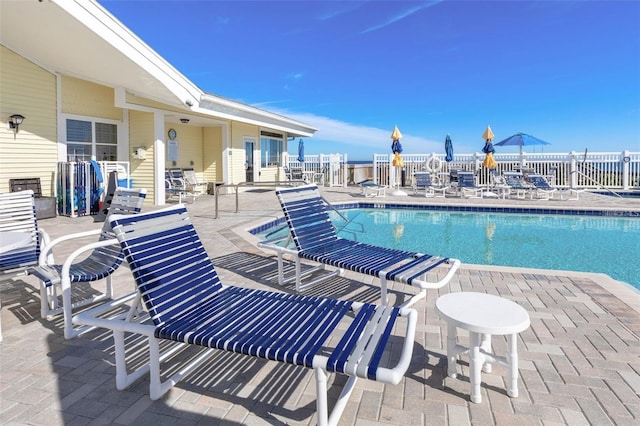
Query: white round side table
{"x": 483, "y": 315}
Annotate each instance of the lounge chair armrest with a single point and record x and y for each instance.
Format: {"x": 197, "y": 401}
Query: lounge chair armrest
{"x": 47, "y": 248}
{"x": 66, "y": 266}
{"x": 394, "y": 375}
{"x": 95, "y": 317}
{"x": 455, "y": 264}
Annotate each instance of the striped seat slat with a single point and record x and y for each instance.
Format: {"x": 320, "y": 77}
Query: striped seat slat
{"x": 360, "y": 258}
{"x": 100, "y": 264}
{"x": 408, "y": 272}
{"x": 18, "y": 258}
{"x": 340, "y": 356}
{"x": 281, "y": 327}
{"x": 18, "y": 213}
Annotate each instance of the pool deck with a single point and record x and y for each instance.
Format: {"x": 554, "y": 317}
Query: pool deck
{"x": 579, "y": 360}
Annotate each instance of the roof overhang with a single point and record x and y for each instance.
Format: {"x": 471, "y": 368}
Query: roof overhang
{"x": 79, "y": 38}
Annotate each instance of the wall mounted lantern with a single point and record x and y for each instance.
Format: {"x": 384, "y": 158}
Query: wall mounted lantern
{"x": 15, "y": 121}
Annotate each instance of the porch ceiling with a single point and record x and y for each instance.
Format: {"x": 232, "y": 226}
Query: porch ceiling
{"x": 91, "y": 45}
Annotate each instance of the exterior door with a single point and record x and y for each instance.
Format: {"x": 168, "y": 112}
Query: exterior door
{"x": 249, "y": 147}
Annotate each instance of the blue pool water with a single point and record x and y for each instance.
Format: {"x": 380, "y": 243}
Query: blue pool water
{"x": 609, "y": 245}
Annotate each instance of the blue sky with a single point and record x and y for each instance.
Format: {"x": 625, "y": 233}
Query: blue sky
{"x": 567, "y": 72}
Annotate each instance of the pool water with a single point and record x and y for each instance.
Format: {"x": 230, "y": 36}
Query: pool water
{"x": 560, "y": 242}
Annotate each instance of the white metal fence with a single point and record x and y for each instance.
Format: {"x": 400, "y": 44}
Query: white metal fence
{"x": 592, "y": 170}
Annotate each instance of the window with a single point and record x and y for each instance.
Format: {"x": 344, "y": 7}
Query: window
{"x": 270, "y": 149}
{"x": 91, "y": 138}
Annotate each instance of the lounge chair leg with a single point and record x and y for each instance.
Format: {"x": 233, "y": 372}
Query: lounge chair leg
{"x": 321, "y": 397}
{"x": 280, "y": 269}
{"x": 383, "y": 289}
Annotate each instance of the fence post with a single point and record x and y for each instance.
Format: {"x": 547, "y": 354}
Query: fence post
{"x": 625, "y": 169}
{"x": 345, "y": 170}
{"x": 375, "y": 168}
{"x": 573, "y": 169}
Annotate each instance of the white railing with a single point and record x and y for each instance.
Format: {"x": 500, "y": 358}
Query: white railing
{"x": 594, "y": 170}
{"x": 333, "y": 166}
{"x": 619, "y": 170}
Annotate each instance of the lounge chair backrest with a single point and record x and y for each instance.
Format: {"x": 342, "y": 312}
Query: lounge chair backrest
{"x": 423, "y": 179}
{"x": 18, "y": 213}
{"x": 539, "y": 182}
{"x": 124, "y": 201}
{"x": 513, "y": 180}
{"x": 306, "y": 213}
{"x": 466, "y": 179}
{"x": 170, "y": 265}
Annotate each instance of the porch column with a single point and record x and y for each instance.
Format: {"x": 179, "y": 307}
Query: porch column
{"x": 158, "y": 159}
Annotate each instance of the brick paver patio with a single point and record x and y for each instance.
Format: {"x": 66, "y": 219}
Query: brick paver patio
{"x": 579, "y": 360}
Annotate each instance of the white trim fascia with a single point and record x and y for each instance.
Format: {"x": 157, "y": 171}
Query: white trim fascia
{"x": 100, "y": 21}
{"x": 229, "y": 108}
{"x": 257, "y": 122}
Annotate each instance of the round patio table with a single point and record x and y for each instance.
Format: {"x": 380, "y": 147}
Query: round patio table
{"x": 482, "y": 315}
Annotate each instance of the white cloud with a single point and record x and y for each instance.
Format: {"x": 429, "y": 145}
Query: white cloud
{"x": 363, "y": 140}
{"x": 401, "y": 16}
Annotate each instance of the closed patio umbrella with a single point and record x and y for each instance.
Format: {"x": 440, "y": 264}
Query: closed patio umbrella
{"x": 396, "y": 148}
{"x": 301, "y": 150}
{"x": 448, "y": 149}
{"x": 489, "y": 162}
{"x": 397, "y": 161}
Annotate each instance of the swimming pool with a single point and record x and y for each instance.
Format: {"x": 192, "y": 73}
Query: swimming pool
{"x": 604, "y": 244}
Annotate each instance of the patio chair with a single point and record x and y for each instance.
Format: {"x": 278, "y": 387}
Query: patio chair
{"x": 423, "y": 181}
{"x": 315, "y": 239}
{"x": 541, "y": 187}
{"x": 187, "y": 303}
{"x": 175, "y": 186}
{"x": 104, "y": 257}
{"x": 20, "y": 238}
{"x": 515, "y": 182}
{"x": 193, "y": 182}
{"x": 467, "y": 185}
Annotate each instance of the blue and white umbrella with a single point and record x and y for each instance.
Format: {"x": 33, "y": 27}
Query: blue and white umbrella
{"x": 521, "y": 139}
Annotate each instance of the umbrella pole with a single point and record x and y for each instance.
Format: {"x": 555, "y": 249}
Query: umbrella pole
{"x": 398, "y": 192}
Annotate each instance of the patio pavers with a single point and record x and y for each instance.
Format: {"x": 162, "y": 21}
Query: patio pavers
{"x": 579, "y": 360}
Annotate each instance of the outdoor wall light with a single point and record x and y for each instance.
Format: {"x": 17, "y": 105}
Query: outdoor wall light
{"x": 184, "y": 120}
{"x": 15, "y": 121}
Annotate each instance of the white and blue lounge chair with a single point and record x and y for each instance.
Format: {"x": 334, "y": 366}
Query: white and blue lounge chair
{"x": 423, "y": 181}
{"x": 514, "y": 181}
{"x": 315, "y": 239}
{"x": 467, "y": 185}
{"x": 21, "y": 240}
{"x": 372, "y": 189}
{"x": 104, "y": 257}
{"x": 541, "y": 187}
{"x": 186, "y": 303}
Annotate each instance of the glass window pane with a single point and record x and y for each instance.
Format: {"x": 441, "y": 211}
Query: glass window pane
{"x": 271, "y": 150}
{"x": 106, "y": 133}
{"x": 78, "y": 131}
{"x": 78, "y": 152}
{"x": 106, "y": 153}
